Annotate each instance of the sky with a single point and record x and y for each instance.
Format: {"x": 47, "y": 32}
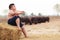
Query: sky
{"x": 45, "y": 7}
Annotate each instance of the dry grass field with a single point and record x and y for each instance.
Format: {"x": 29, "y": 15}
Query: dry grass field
{"x": 43, "y": 31}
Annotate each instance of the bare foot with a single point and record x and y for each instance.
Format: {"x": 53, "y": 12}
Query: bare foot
{"x": 19, "y": 28}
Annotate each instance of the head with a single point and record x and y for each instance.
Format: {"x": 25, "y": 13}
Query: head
{"x": 12, "y": 7}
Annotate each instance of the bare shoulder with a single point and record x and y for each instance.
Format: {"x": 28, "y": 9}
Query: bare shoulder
{"x": 10, "y": 11}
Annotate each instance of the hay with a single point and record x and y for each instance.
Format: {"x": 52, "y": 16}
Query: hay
{"x": 8, "y": 32}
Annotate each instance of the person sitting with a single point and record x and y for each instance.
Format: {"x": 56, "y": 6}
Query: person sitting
{"x": 14, "y": 18}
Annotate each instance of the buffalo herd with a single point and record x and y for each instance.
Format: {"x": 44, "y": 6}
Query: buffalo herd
{"x": 34, "y": 20}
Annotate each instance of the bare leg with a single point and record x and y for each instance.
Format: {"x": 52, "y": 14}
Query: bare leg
{"x": 18, "y": 23}
{"x": 24, "y": 31}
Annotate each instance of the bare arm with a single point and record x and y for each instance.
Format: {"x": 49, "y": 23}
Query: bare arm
{"x": 19, "y": 12}
{"x": 16, "y": 12}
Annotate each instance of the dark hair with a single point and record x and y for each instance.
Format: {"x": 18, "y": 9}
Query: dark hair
{"x": 11, "y": 5}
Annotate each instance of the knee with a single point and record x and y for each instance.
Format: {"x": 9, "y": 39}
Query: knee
{"x": 18, "y": 20}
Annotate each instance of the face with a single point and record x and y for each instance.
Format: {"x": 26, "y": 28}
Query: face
{"x": 13, "y": 7}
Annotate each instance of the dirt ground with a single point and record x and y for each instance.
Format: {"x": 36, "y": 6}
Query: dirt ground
{"x": 44, "y": 31}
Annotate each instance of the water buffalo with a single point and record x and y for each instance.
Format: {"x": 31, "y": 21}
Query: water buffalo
{"x": 35, "y": 20}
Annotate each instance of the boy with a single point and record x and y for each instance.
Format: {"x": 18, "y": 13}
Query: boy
{"x": 14, "y": 19}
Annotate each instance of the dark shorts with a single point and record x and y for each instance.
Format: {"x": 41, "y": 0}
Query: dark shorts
{"x": 12, "y": 21}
